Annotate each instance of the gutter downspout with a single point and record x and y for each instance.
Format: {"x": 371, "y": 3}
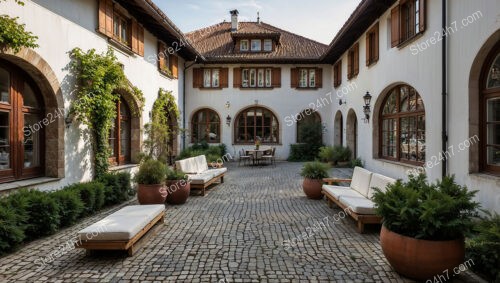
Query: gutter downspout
{"x": 184, "y": 101}
{"x": 444, "y": 74}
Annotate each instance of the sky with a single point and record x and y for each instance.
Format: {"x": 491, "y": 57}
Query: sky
{"x": 319, "y": 20}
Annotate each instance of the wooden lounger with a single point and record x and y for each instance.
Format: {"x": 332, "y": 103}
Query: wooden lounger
{"x": 123, "y": 229}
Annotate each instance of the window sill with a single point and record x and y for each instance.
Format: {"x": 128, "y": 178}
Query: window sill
{"x": 262, "y": 144}
{"x": 398, "y": 163}
{"x": 210, "y": 88}
{"x": 407, "y": 41}
{"x": 370, "y": 64}
{"x": 486, "y": 175}
{"x": 27, "y": 183}
{"x": 257, "y": 88}
{"x": 121, "y": 47}
{"x": 307, "y": 88}
{"x": 167, "y": 75}
{"x": 122, "y": 167}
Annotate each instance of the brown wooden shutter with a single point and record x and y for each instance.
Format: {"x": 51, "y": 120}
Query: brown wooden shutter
{"x": 422, "y": 16}
{"x": 224, "y": 77}
{"x": 349, "y": 64}
{"x": 197, "y": 78}
{"x": 161, "y": 53}
{"x": 135, "y": 36}
{"x": 337, "y": 73}
{"x": 174, "y": 65}
{"x": 140, "y": 32}
{"x": 395, "y": 36}
{"x": 356, "y": 60}
{"x": 237, "y": 77}
{"x": 276, "y": 77}
{"x": 102, "y": 16}
{"x": 109, "y": 18}
{"x": 319, "y": 77}
{"x": 294, "y": 77}
{"x": 377, "y": 43}
{"x": 367, "y": 48}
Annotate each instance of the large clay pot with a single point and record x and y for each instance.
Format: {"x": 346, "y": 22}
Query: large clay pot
{"x": 421, "y": 259}
{"x": 312, "y": 188}
{"x": 178, "y": 191}
{"x": 151, "y": 194}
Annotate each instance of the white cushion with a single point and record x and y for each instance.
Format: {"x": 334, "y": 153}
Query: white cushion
{"x": 360, "y": 205}
{"x": 201, "y": 163}
{"x": 379, "y": 181}
{"x": 187, "y": 166}
{"x": 201, "y": 178}
{"x": 218, "y": 171}
{"x": 361, "y": 180}
{"x": 338, "y": 191}
{"x": 122, "y": 225}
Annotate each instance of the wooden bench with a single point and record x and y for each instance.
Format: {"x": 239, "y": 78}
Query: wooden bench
{"x": 355, "y": 200}
{"x": 200, "y": 176}
{"x": 122, "y": 230}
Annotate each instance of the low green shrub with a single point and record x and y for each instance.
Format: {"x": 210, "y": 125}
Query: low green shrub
{"x": 92, "y": 195}
{"x": 151, "y": 172}
{"x": 315, "y": 170}
{"x": 356, "y": 163}
{"x": 341, "y": 154}
{"x": 326, "y": 153}
{"x": 11, "y": 229}
{"x": 117, "y": 187}
{"x": 484, "y": 248}
{"x": 70, "y": 204}
{"x": 176, "y": 175}
{"x": 303, "y": 152}
{"x": 43, "y": 214}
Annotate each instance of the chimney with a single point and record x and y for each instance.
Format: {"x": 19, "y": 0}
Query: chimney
{"x": 234, "y": 20}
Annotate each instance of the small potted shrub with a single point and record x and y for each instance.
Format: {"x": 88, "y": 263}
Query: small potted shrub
{"x": 151, "y": 182}
{"x": 313, "y": 173}
{"x": 326, "y": 154}
{"x": 424, "y": 225}
{"x": 178, "y": 187}
{"x": 341, "y": 155}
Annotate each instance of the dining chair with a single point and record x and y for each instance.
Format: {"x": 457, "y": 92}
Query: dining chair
{"x": 270, "y": 156}
{"x": 244, "y": 157}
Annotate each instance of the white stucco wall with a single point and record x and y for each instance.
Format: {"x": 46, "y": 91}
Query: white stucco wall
{"x": 63, "y": 25}
{"x": 421, "y": 68}
{"x": 285, "y": 102}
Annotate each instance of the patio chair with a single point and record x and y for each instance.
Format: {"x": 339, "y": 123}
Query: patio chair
{"x": 270, "y": 156}
{"x": 244, "y": 157}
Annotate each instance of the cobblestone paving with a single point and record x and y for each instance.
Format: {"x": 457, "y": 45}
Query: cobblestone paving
{"x": 234, "y": 234}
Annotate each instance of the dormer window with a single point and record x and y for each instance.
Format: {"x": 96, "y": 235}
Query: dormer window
{"x": 256, "y": 45}
{"x": 268, "y": 45}
{"x": 244, "y": 45}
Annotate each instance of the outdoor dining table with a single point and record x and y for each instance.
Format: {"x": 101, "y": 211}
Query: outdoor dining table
{"x": 257, "y": 153}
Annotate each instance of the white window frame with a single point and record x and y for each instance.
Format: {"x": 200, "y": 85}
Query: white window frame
{"x": 303, "y": 76}
{"x": 259, "y": 45}
{"x": 312, "y": 78}
{"x": 268, "y": 45}
{"x": 215, "y": 78}
{"x": 268, "y": 76}
{"x": 245, "y": 78}
{"x": 253, "y": 78}
{"x": 241, "y": 45}
{"x": 260, "y": 78}
{"x": 207, "y": 78}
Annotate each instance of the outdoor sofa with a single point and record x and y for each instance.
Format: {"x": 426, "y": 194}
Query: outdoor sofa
{"x": 356, "y": 199}
{"x": 200, "y": 176}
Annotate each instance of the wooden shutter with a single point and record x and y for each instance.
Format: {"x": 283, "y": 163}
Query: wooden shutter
{"x": 276, "y": 77}
{"x": 422, "y": 16}
{"x": 372, "y": 49}
{"x": 395, "y": 36}
{"x": 135, "y": 36}
{"x": 140, "y": 32}
{"x": 174, "y": 65}
{"x": 319, "y": 77}
{"x": 368, "y": 47}
{"x": 224, "y": 77}
{"x": 349, "y": 64}
{"x": 377, "y": 42}
{"x": 161, "y": 53}
{"x": 294, "y": 77}
{"x": 102, "y": 16}
{"x": 237, "y": 77}
{"x": 197, "y": 78}
{"x": 106, "y": 15}
{"x": 337, "y": 74}
{"x": 356, "y": 60}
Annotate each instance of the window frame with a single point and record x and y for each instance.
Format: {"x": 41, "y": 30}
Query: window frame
{"x": 256, "y": 71}
{"x": 207, "y": 123}
{"x": 117, "y": 159}
{"x": 123, "y": 19}
{"x": 254, "y": 127}
{"x": 271, "y": 45}
{"x": 211, "y": 72}
{"x": 306, "y": 84}
{"x": 247, "y": 44}
{"x": 259, "y": 45}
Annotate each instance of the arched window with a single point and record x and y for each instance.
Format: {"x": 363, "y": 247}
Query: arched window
{"x": 306, "y": 119}
{"x": 402, "y": 129}
{"x": 22, "y": 125}
{"x": 490, "y": 114}
{"x": 119, "y": 135}
{"x": 205, "y": 126}
{"x": 256, "y": 123}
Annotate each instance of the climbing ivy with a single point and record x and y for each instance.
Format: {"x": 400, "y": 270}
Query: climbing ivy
{"x": 14, "y": 35}
{"x": 163, "y": 127}
{"x": 98, "y": 77}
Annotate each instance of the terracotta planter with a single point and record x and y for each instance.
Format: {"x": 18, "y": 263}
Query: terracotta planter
{"x": 178, "y": 191}
{"x": 421, "y": 259}
{"x": 151, "y": 194}
{"x": 312, "y": 188}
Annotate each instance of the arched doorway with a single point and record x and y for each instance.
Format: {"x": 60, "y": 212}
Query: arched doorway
{"x": 309, "y": 118}
{"x": 256, "y": 123}
{"x": 164, "y": 129}
{"x": 205, "y": 126}
{"x": 338, "y": 129}
{"x": 352, "y": 132}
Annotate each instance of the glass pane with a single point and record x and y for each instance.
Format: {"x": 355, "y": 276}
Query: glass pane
{"x": 256, "y": 45}
{"x": 4, "y": 141}
{"x": 260, "y": 77}
{"x": 303, "y": 78}
{"x": 420, "y": 103}
{"x": 390, "y": 104}
{"x": 215, "y": 78}
{"x": 268, "y": 78}
{"x": 206, "y": 78}
{"x": 312, "y": 78}
{"x": 493, "y": 110}
{"x": 404, "y": 99}
{"x": 493, "y": 134}
{"x": 494, "y": 74}
{"x": 421, "y": 139}
{"x": 493, "y": 155}
{"x": 245, "y": 78}
{"x": 124, "y": 36}
{"x": 124, "y": 111}
{"x": 213, "y": 135}
{"x": 29, "y": 97}
{"x": 268, "y": 45}
{"x": 112, "y": 138}
{"x": 4, "y": 85}
{"x": 253, "y": 80}
{"x": 116, "y": 23}
{"x": 125, "y": 138}
{"x": 31, "y": 141}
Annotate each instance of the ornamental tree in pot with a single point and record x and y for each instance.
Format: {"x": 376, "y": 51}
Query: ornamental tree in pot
{"x": 178, "y": 187}
{"x": 313, "y": 173}
{"x": 424, "y": 225}
{"x": 151, "y": 182}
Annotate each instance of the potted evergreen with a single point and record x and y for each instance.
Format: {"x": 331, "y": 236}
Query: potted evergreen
{"x": 341, "y": 156}
{"x": 424, "y": 225}
{"x": 178, "y": 187}
{"x": 151, "y": 182}
{"x": 313, "y": 173}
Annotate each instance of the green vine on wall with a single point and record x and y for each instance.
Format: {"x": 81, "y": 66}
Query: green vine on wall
{"x": 99, "y": 76}
{"x": 163, "y": 127}
{"x": 14, "y": 35}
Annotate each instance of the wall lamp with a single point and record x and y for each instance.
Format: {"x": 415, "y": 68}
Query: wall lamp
{"x": 228, "y": 120}
{"x": 227, "y": 105}
{"x": 366, "y": 108}
{"x": 342, "y": 101}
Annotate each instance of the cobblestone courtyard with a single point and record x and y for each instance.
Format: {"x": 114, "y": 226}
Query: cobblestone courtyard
{"x": 236, "y": 233}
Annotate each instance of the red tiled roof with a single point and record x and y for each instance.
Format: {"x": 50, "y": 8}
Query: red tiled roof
{"x": 216, "y": 44}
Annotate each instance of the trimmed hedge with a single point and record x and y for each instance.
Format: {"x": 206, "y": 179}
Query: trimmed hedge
{"x": 30, "y": 214}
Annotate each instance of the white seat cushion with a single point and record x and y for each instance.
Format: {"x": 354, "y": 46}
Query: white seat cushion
{"x": 217, "y": 172}
{"x": 122, "y": 225}
{"x": 360, "y": 205}
{"x": 379, "y": 181}
{"x": 338, "y": 191}
{"x": 200, "y": 179}
{"x": 361, "y": 180}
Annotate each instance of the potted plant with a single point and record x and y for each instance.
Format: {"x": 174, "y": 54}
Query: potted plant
{"x": 341, "y": 155}
{"x": 257, "y": 144}
{"x": 151, "y": 182}
{"x": 424, "y": 225}
{"x": 178, "y": 187}
{"x": 313, "y": 173}
{"x": 326, "y": 154}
